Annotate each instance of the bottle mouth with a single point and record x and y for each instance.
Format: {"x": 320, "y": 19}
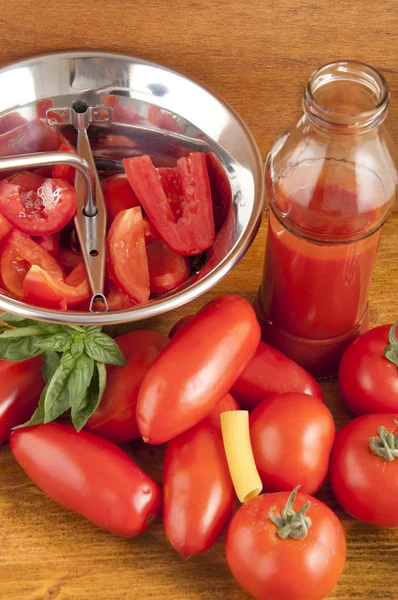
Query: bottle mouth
{"x": 346, "y": 97}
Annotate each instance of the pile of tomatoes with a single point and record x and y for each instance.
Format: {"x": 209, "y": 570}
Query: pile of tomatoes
{"x": 157, "y": 220}
{"x": 173, "y": 392}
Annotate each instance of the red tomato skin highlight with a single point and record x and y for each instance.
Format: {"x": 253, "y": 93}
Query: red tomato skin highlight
{"x": 88, "y": 475}
{"x": 368, "y": 381}
{"x": 195, "y": 460}
{"x": 21, "y": 385}
{"x": 270, "y": 568}
{"x": 292, "y": 436}
{"x": 115, "y": 418}
{"x": 364, "y": 484}
{"x": 223, "y": 336}
{"x": 271, "y": 372}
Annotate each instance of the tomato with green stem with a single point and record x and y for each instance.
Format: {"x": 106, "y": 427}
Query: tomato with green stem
{"x": 368, "y": 372}
{"x": 364, "y": 469}
{"x": 278, "y": 553}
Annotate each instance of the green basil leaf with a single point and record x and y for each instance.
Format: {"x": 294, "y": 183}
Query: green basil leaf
{"x": 19, "y": 348}
{"x": 16, "y": 321}
{"x": 101, "y": 379}
{"x": 77, "y": 347}
{"x": 53, "y": 328}
{"x": 22, "y": 332}
{"x": 92, "y": 329}
{"x": 67, "y": 361}
{"x": 79, "y": 381}
{"x": 59, "y": 342}
{"x": 52, "y": 362}
{"x": 56, "y": 400}
{"x": 88, "y": 403}
{"x": 101, "y": 348}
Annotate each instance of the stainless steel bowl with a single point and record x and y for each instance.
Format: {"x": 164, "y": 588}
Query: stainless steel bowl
{"x": 65, "y": 77}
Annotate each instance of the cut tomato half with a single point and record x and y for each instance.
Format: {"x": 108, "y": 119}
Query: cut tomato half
{"x": 127, "y": 259}
{"x": 40, "y": 210}
{"x": 178, "y": 202}
{"x": 40, "y": 289}
{"x": 118, "y": 195}
{"x": 20, "y": 252}
{"x": 167, "y": 269}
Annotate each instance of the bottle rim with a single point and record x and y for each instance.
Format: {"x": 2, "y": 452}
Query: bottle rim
{"x": 356, "y": 72}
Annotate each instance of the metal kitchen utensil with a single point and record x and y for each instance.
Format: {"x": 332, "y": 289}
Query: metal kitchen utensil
{"x": 145, "y": 99}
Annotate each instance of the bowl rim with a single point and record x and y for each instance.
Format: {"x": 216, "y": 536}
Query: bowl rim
{"x": 174, "y": 300}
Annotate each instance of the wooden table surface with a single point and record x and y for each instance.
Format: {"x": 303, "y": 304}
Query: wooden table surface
{"x": 257, "y": 54}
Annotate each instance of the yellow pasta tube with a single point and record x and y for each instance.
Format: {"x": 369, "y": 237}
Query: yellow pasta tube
{"x": 239, "y": 453}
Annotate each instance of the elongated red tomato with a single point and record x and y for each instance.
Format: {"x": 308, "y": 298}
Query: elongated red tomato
{"x": 19, "y": 253}
{"x": 197, "y": 487}
{"x": 188, "y": 226}
{"x": 127, "y": 260}
{"x": 292, "y": 436}
{"x": 40, "y": 211}
{"x": 118, "y": 195}
{"x": 270, "y": 564}
{"x": 21, "y": 386}
{"x": 88, "y": 475}
{"x": 43, "y": 290}
{"x": 115, "y": 418}
{"x": 180, "y": 325}
{"x": 364, "y": 469}
{"x": 167, "y": 269}
{"x": 271, "y": 372}
{"x": 197, "y": 368}
{"x": 368, "y": 380}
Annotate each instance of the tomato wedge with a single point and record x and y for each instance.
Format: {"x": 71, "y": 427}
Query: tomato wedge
{"x": 167, "y": 269}
{"x": 33, "y": 136}
{"x": 20, "y": 252}
{"x": 50, "y": 243}
{"x": 43, "y": 210}
{"x": 127, "y": 259}
{"x": 64, "y": 171}
{"x": 189, "y": 227}
{"x": 162, "y": 119}
{"x": 43, "y": 290}
{"x": 118, "y": 195}
{"x": 151, "y": 235}
{"x": 69, "y": 259}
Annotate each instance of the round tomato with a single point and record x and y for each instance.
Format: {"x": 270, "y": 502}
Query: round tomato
{"x": 127, "y": 260}
{"x": 21, "y": 385}
{"x": 271, "y": 372}
{"x": 115, "y": 417}
{"x": 195, "y": 461}
{"x": 88, "y": 475}
{"x": 364, "y": 469}
{"x": 292, "y": 436}
{"x": 368, "y": 379}
{"x": 39, "y": 211}
{"x": 19, "y": 253}
{"x": 280, "y": 556}
{"x": 167, "y": 269}
{"x": 197, "y": 368}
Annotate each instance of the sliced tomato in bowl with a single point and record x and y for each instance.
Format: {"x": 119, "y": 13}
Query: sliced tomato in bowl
{"x": 177, "y": 201}
{"x": 41, "y": 289}
{"x": 50, "y": 243}
{"x": 127, "y": 258}
{"x": 38, "y": 211}
{"x": 69, "y": 259}
{"x": 19, "y": 253}
{"x": 118, "y": 195}
{"x": 65, "y": 171}
{"x": 167, "y": 269}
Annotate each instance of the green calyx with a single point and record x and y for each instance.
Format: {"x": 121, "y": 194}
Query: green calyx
{"x": 391, "y": 351}
{"x": 74, "y": 370}
{"x": 292, "y": 524}
{"x": 385, "y": 445}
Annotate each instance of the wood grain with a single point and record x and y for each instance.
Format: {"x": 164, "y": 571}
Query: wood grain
{"x": 257, "y": 54}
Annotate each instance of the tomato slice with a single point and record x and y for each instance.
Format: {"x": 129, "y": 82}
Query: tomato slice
{"x": 43, "y": 210}
{"x": 188, "y": 226}
{"x": 69, "y": 259}
{"x": 151, "y": 233}
{"x": 20, "y": 252}
{"x": 34, "y": 136}
{"x": 50, "y": 243}
{"x": 163, "y": 120}
{"x": 127, "y": 259}
{"x": 5, "y": 228}
{"x": 167, "y": 269}
{"x": 43, "y": 290}
{"x": 64, "y": 171}
{"x": 10, "y": 122}
{"x": 118, "y": 195}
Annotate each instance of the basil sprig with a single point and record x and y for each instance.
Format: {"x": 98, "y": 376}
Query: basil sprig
{"x": 74, "y": 369}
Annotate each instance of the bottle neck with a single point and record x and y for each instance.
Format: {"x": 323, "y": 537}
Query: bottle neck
{"x": 346, "y": 98}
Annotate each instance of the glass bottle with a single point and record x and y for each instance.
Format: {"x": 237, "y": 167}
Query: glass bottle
{"x": 331, "y": 183}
